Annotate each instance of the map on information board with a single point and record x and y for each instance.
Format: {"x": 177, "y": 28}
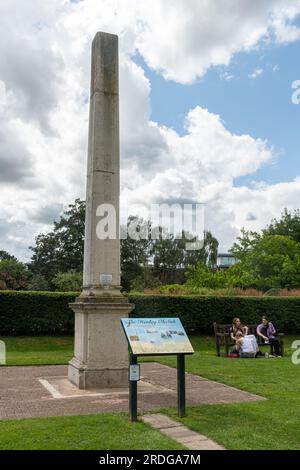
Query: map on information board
{"x": 156, "y": 336}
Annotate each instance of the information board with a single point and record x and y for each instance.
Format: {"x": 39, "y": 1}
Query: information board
{"x": 150, "y": 336}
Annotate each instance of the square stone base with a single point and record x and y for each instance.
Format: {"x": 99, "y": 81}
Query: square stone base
{"x": 101, "y": 351}
{"x": 85, "y": 378}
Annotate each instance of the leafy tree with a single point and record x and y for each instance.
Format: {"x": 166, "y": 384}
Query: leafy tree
{"x": 6, "y": 256}
{"x": 134, "y": 252}
{"x": 171, "y": 254}
{"x": 14, "y": 275}
{"x": 62, "y": 249}
{"x": 166, "y": 255}
{"x": 68, "y": 282}
{"x": 37, "y": 282}
{"x": 202, "y": 276}
{"x": 265, "y": 262}
{"x": 288, "y": 224}
{"x": 207, "y": 254}
{"x": 146, "y": 280}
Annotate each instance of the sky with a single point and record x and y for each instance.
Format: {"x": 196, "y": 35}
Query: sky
{"x": 206, "y": 109}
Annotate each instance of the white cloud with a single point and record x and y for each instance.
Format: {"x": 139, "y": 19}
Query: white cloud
{"x": 44, "y": 83}
{"x": 256, "y": 73}
{"x": 198, "y": 34}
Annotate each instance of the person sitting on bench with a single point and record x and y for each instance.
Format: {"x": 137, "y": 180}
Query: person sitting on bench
{"x": 267, "y": 331}
{"x": 237, "y": 326}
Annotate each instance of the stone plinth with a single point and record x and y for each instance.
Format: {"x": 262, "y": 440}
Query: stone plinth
{"x": 101, "y": 351}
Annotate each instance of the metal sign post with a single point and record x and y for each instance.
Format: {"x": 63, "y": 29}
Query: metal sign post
{"x": 181, "y": 385}
{"x": 134, "y": 376}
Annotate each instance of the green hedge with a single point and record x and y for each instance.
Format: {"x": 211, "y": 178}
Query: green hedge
{"x": 198, "y": 313}
{"x": 33, "y": 313}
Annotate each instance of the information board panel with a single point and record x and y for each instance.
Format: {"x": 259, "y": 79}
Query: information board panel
{"x": 150, "y": 336}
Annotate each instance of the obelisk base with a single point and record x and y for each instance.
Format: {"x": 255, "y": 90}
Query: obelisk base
{"x": 85, "y": 378}
{"x": 101, "y": 351}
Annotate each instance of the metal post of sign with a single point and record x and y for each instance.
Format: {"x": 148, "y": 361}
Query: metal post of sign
{"x": 132, "y": 391}
{"x": 181, "y": 385}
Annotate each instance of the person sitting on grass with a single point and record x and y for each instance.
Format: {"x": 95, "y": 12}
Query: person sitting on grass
{"x": 237, "y": 326}
{"x": 246, "y": 346}
{"x": 267, "y": 331}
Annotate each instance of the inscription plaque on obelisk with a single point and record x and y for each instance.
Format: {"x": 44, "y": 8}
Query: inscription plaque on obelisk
{"x": 101, "y": 355}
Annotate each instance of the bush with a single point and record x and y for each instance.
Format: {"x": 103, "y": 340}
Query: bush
{"x": 38, "y": 313}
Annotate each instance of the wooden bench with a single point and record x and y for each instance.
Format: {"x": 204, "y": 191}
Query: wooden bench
{"x": 223, "y": 338}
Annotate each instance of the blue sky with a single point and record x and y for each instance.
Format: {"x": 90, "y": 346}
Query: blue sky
{"x": 261, "y": 107}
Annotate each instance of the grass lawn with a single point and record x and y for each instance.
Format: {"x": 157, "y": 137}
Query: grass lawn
{"x": 92, "y": 432}
{"x": 270, "y": 424}
{"x": 38, "y": 350}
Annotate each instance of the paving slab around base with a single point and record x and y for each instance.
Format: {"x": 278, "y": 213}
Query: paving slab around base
{"x": 180, "y": 433}
{"x": 37, "y": 391}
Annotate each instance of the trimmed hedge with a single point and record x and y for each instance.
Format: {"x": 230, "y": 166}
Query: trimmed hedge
{"x": 38, "y": 313}
{"x": 198, "y": 313}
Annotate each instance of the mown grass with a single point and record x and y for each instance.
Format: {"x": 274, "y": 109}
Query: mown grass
{"x": 107, "y": 431}
{"x": 270, "y": 424}
{"x": 38, "y": 350}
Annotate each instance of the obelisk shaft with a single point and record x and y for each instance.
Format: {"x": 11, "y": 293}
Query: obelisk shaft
{"x": 102, "y": 256}
{"x": 100, "y": 353}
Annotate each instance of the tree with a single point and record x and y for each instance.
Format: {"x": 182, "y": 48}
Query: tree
{"x": 288, "y": 225}
{"x": 37, "y": 282}
{"x": 14, "y": 275}
{"x": 6, "y": 256}
{"x": 202, "y": 276}
{"x": 62, "y": 249}
{"x": 146, "y": 280}
{"x": 207, "y": 254}
{"x": 68, "y": 282}
{"x": 134, "y": 252}
{"x": 167, "y": 255}
{"x": 265, "y": 261}
{"x": 171, "y": 253}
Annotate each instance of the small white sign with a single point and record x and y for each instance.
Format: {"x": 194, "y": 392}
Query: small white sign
{"x": 134, "y": 372}
{"x": 105, "y": 279}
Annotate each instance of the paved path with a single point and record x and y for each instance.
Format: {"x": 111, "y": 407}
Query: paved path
{"x": 27, "y": 392}
{"x": 180, "y": 433}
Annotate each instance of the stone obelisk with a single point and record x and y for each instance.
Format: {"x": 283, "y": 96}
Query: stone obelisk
{"x": 101, "y": 355}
